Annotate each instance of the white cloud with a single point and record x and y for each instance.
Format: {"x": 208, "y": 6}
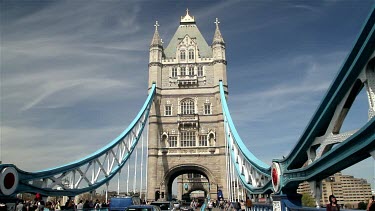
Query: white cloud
{"x": 46, "y": 148}
{"x": 80, "y": 88}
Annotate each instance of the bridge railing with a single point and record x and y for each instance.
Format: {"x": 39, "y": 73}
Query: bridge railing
{"x": 262, "y": 207}
{"x": 254, "y": 175}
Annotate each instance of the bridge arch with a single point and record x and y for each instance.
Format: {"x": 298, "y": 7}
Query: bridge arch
{"x": 194, "y": 168}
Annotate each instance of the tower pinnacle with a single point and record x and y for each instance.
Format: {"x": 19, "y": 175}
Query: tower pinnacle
{"x": 187, "y": 19}
{"x": 217, "y": 36}
{"x": 217, "y": 22}
{"x": 156, "y": 39}
{"x": 156, "y": 25}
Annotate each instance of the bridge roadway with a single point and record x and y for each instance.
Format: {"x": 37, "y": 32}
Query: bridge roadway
{"x": 268, "y": 207}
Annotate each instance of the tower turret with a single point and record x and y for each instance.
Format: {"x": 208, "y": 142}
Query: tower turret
{"x": 155, "y": 61}
{"x": 156, "y": 47}
{"x": 219, "y": 58}
{"x": 218, "y": 44}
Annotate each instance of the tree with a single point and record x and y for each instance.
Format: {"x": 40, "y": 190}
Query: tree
{"x": 308, "y": 200}
{"x": 362, "y": 205}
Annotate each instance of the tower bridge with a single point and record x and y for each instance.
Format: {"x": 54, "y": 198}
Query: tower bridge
{"x": 190, "y": 136}
{"x": 186, "y": 120}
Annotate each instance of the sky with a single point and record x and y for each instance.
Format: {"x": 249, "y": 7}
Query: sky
{"x": 74, "y": 74}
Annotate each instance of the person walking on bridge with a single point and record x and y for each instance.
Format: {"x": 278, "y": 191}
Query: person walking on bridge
{"x": 333, "y": 206}
{"x": 210, "y": 205}
{"x": 19, "y": 206}
{"x": 249, "y": 204}
{"x": 242, "y": 205}
{"x": 371, "y": 204}
{"x": 80, "y": 205}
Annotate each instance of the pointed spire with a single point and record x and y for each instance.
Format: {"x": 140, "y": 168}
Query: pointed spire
{"x": 217, "y": 36}
{"x": 156, "y": 39}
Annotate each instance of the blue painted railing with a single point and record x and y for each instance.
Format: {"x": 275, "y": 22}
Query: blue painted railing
{"x": 253, "y": 173}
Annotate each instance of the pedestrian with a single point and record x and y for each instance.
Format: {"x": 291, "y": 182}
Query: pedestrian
{"x": 33, "y": 205}
{"x": 371, "y": 204}
{"x": 242, "y": 205}
{"x": 69, "y": 205}
{"x": 41, "y": 205}
{"x": 237, "y": 205}
{"x": 221, "y": 204}
{"x": 210, "y": 205}
{"x": 192, "y": 204}
{"x": 333, "y": 206}
{"x": 57, "y": 206}
{"x": 97, "y": 205}
{"x": 86, "y": 205}
{"x": 80, "y": 205}
{"x": 229, "y": 206}
{"x": 249, "y": 203}
{"x": 19, "y": 206}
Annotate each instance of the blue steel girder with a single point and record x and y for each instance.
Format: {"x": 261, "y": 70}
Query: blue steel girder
{"x": 322, "y": 150}
{"x": 80, "y": 176}
{"x": 351, "y": 151}
{"x": 254, "y": 174}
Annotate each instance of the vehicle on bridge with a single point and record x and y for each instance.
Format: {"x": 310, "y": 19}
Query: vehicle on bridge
{"x": 143, "y": 208}
{"x": 121, "y": 203}
{"x": 176, "y": 205}
{"x": 164, "y": 205}
{"x": 185, "y": 206}
{"x": 200, "y": 201}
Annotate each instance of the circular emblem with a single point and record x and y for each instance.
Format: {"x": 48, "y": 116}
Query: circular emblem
{"x": 8, "y": 180}
{"x": 275, "y": 175}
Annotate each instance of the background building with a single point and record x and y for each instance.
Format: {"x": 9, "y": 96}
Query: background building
{"x": 348, "y": 190}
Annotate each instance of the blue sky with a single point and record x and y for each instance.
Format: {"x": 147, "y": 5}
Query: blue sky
{"x": 74, "y": 73}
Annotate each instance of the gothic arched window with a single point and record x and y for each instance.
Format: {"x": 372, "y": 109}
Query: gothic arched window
{"x": 200, "y": 71}
{"x": 183, "y": 71}
{"x": 191, "y": 54}
{"x": 188, "y": 139}
{"x": 172, "y": 141}
{"x": 182, "y": 55}
{"x": 203, "y": 140}
{"x": 207, "y": 108}
{"x": 191, "y": 70}
{"x": 187, "y": 106}
{"x": 174, "y": 72}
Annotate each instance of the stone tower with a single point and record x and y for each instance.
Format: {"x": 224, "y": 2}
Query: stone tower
{"x": 186, "y": 131}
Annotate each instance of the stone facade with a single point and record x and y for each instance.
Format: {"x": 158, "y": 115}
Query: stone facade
{"x": 186, "y": 131}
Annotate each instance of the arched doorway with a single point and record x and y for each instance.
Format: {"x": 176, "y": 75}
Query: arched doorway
{"x": 191, "y": 177}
